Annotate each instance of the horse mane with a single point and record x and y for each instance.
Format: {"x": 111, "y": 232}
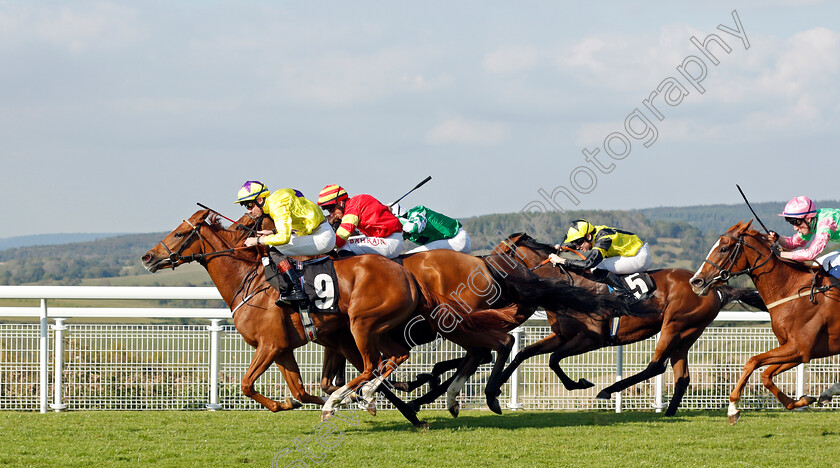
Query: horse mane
{"x": 765, "y": 242}
{"x": 527, "y": 241}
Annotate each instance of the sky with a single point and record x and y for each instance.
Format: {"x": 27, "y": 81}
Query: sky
{"x": 121, "y": 116}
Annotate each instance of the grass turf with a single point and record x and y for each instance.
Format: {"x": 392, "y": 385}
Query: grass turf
{"x": 476, "y": 438}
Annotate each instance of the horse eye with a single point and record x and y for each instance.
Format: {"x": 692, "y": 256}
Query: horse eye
{"x": 179, "y": 234}
{"x": 724, "y": 249}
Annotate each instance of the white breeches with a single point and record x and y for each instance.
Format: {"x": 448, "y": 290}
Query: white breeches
{"x": 459, "y": 243}
{"x": 831, "y": 263}
{"x": 391, "y": 246}
{"x": 626, "y": 265}
{"x": 322, "y": 240}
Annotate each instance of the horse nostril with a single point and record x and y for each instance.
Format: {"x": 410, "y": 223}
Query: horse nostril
{"x": 146, "y": 258}
{"x": 696, "y": 282}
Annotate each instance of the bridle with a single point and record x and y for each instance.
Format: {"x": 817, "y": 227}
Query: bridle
{"x": 176, "y": 256}
{"x": 728, "y": 263}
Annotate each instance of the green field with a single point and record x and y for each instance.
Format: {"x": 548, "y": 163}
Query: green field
{"x": 477, "y": 438}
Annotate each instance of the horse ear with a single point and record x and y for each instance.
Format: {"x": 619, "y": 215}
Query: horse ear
{"x": 747, "y": 226}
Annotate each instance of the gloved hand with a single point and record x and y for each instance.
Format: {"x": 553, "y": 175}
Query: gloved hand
{"x": 556, "y": 259}
{"x": 397, "y": 210}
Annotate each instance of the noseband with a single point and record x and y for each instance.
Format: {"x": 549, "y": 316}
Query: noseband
{"x": 174, "y": 257}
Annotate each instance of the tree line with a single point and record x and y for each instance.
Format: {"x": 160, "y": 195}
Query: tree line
{"x": 678, "y": 237}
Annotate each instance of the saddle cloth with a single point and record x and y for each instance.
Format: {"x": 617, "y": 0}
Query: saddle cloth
{"x": 320, "y": 284}
{"x": 641, "y": 284}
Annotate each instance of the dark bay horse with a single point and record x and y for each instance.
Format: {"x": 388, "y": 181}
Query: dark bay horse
{"x": 679, "y": 315}
{"x": 486, "y": 298}
{"x": 804, "y": 312}
{"x": 376, "y": 295}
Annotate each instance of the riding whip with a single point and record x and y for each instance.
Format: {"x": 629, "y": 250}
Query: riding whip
{"x": 214, "y": 211}
{"x": 751, "y": 209}
{"x": 415, "y": 188}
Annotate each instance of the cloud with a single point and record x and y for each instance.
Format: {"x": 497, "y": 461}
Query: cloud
{"x": 511, "y": 59}
{"x": 460, "y": 131}
{"x": 101, "y": 25}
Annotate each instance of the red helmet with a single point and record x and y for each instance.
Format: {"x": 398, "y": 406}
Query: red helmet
{"x": 331, "y": 194}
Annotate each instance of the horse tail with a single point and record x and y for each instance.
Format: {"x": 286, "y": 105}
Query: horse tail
{"x": 748, "y": 296}
{"x": 521, "y": 286}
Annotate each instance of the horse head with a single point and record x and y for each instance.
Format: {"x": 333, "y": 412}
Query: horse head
{"x": 193, "y": 240}
{"x": 739, "y": 251}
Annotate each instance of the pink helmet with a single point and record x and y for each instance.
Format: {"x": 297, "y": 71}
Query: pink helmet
{"x": 800, "y": 207}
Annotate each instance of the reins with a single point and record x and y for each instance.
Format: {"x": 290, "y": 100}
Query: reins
{"x": 726, "y": 271}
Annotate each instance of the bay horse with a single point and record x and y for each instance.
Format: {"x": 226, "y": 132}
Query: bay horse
{"x": 375, "y": 296}
{"x": 674, "y": 311}
{"x": 477, "y": 302}
{"x": 804, "y": 309}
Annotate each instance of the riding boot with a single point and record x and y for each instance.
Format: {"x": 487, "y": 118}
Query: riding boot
{"x": 295, "y": 291}
{"x": 619, "y": 288}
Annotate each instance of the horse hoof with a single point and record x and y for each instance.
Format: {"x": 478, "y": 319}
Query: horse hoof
{"x": 583, "y": 384}
{"x": 733, "y": 418}
{"x": 371, "y": 410}
{"x": 455, "y": 409}
{"x": 422, "y": 426}
{"x": 808, "y": 400}
{"x": 603, "y": 395}
{"x": 414, "y": 407}
{"x": 823, "y": 400}
{"x": 326, "y": 415}
{"x": 494, "y": 406}
{"x": 293, "y": 403}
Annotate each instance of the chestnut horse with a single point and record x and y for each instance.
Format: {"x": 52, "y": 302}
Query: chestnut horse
{"x": 376, "y": 295}
{"x": 804, "y": 309}
{"x": 675, "y": 312}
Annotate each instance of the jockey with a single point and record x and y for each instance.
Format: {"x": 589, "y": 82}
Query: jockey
{"x": 817, "y": 226}
{"x": 379, "y": 227}
{"x": 609, "y": 252}
{"x": 301, "y": 229}
{"x": 432, "y": 230}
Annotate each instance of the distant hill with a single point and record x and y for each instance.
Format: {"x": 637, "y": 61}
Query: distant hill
{"x": 679, "y": 237}
{"x": 51, "y": 239}
{"x": 718, "y": 218}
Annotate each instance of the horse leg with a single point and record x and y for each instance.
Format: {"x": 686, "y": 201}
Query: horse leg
{"x": 432, "y": 378}
{"x": 829, "y": 392}
{"x": 668, "y": 341}
{"x": 784, "y": 354}
{"x": 403, "y": 407}
{"x": 502, "y": 354}
{"x": 787, "y": 402}
{"x": 263, "y": 357}
{"x": 460, "y": 378}
{"x": 332, "y": 371}
{"x": 577, "y": 345}
{"x": 291, "y": 374}
{"x": 679, "y": 364}
{"x": 434, "y": 393}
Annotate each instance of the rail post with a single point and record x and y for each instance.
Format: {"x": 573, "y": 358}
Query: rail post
{"x": 215, "y": 332}
{"x": 619, "y": 374}
{"x": 513, "y": 402}
{"x": 58, "y": 367}
{"x": 44, "y": 356}
{"x": 657, "y": 392}
{"x": 800, "y": 380}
